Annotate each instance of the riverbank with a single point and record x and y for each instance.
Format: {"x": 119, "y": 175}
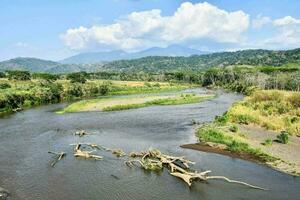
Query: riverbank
{"x": 133, "y": 102}
{"x": 19, "y": 95}
{"x": 264, "y": 128}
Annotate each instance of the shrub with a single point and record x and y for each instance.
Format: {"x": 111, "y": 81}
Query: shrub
{"x": 245, "y": 119}
{"x": 104, "y": 89}
{"x": 267, "y": 142}
{"x": 2, "y": 75}
{"x": 234, "y": 128}
{"x": 238, "y": 147}
{"x": 45, "y": 76}
{"x": 4, "y": 85}
{"x": 222, "y": 119}
{"x": 283, "y": 137}
{"x": 75, "y": 90}
{"x": 19, "y": 75}
{"x": 156, "y": 85}
{"x": 294, "y": 99}
{"x": 78, "y": 77}
{"x": 147, "y": 84}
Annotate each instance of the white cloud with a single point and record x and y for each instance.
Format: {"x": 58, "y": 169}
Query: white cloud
{"x": 287, "y": 20}
{"x": 149, "y": 28}
{"x": 288, "y": 33}
{"x": 260, "y": 21}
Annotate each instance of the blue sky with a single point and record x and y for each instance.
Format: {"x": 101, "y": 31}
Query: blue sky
{"x": 55, "y": 29}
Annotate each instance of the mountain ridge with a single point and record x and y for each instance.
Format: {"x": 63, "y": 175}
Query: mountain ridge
{"x": 158, "y": 64}
{"x": 99, "y": 57}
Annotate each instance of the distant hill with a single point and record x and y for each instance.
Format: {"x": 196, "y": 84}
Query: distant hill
{"x": 30, "y": 64}
{"x": 162, "y": 63}
{"x": 246, "y": 57}
{"x": 98, "y": 57}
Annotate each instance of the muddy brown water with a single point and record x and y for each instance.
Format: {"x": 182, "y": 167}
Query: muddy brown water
{"x": 26, "y": 137}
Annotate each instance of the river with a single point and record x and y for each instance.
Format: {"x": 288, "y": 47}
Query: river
{"x": 27, "y": 136}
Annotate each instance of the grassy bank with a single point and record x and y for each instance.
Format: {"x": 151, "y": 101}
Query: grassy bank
{"x": 272, "y": 109}
{"x": 177, "y": 100}
{"x": 256, "y": 125}
{"x": 131, "y": 102}
{"x": 17, "y": 95}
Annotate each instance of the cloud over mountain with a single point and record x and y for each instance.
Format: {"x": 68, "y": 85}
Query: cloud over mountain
{"x": 139, "y": 30}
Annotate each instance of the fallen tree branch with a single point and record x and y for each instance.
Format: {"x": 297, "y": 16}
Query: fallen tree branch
{"x": 86, "y": 155}
{"x": 178, "y": 166}
{"x": 234, "y": 181}
{"x": 59, "y": 156}
{"x": 81, "y": 133}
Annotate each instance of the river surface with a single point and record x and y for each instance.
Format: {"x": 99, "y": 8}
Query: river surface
{"x": 26, "y": 137}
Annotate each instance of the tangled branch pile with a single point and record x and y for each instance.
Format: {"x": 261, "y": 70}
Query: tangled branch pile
{"x": 178, "y": 166}
{"x": 149, "y": 160}
{"x": 79, "y": 152}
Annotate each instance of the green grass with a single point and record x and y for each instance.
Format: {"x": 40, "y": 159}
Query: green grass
{"x": 272, "y": 109}
{"x": 185, "y": 99}
{"x": 267, "y": 142}
{"x": 215, "y": 134}
{"x": 25, "y": 94}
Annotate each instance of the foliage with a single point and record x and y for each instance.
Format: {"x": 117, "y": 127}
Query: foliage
{"x": 267, "y": 142}
{"x": 78, "y": 77}
{"x": 234, "y": 128}
{"x": 5, "y": 85}
{"x": 210, "y": 133}
{"x": 272, "y": 109}
{"x": 284, "y": 61}
{"x": 18, "y": 75}
{"x": 2, "y": 75}
{"x": 283, "y": 137}
{"x": 45, "y": 76}
{"x": 222, "y": 119}
{"x": 204, "y": 62}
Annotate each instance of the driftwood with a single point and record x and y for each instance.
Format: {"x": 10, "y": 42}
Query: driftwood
{"x": 58, "y": 157}
{"x": 86, "y": 154}
{"x": 178, "y": 166}
{"x": 117, "y": 152}
{"x": 3, "y": 193}
{"x": 80, "y": 133}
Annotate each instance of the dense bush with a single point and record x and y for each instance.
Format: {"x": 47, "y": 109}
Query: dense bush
{"x": 283, "y": 137}
{"x": 222, "y": 119}
{"x": 78, "y": 77}
{"x": 45, "y": 76}
{"x": 2, "y": 75}
{"x": 19, "y": 75}
{"x": 4, "y": 85}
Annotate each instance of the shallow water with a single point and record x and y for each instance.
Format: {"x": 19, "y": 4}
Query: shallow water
{"x": 26, "y": 137}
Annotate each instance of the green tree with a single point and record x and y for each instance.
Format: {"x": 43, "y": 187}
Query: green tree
{"x": 77, "y": 77}
{"x": 18, "y": 75}
{"x": 45, "y": 76}
{"x": 2, "y": 75}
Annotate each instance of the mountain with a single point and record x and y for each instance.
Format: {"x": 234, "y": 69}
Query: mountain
{"x": 172, "y": 51}
{"x": 98, "y": 57}
{"x": 30, "y": 64}
{"x": 95, "y": 57}
{"x": 257, "y": 57}
{"x": 156, "y": 64}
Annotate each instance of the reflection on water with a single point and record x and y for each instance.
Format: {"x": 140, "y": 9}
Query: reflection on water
{"x": 26, "y": 137}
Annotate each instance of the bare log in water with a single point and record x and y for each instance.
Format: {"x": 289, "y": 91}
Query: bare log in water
{"x": 59, "y": 156}
{"x": 178, "y": 166}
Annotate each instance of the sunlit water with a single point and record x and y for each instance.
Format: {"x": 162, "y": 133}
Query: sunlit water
{"x": 26, "y": 137}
